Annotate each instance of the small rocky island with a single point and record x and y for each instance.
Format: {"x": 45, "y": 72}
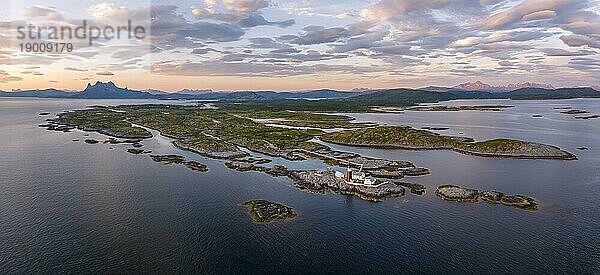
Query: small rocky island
{"x": 444, "y": 108}
{"x": 175, "y": 159}
{"x": 263, "y": 211}
{"x": 588, "y": 117}
{"x": 319, "y": 182}
{"x": 574, "y": 112}
{"x": 136, "y": 151}
{"x": 460, "y": 194}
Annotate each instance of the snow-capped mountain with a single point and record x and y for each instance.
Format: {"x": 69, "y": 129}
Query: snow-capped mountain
{"x": 476, "y": 85}
{"x": 480, "y": 86}
{"x": 526, "y": 84}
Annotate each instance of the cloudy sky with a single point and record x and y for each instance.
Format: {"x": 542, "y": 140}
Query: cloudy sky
{"x": 306, "y": 44}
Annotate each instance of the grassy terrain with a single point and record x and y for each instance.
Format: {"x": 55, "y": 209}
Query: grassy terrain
{"x": 393, "y": 136}
{"x": 410, "y": 138}
{"x": 104, "y": 120}
{"x": 214, "y": 130}
{"x": 496, "y": 145}
{"x": 222, "y": 129}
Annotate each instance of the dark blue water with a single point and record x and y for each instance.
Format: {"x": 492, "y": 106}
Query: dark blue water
{"x": 72, "y": 207}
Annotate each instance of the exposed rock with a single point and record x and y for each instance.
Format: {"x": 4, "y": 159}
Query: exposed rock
{"x": 239, "y": 166}
{"x": 196, "y": 166}
{"x": 415, "y": 171}
{"x": 436, "y": 128}
{"x": 517, "y": 201}
{"x": 505, "y": 148}
{"x": 175, "y": 159}
{"x": 263, "y": 211}
{"x": 459, "y": 194}
{"x": 415, "y": 188}
{"x": 315, "y": 181}
{"x": 275, "y": 171}
{"x": 168, "y": 159}
{"x": 574, "y": 112}
{"x": 91, "y": 141}
{"x": 59, "y": 128}
{"x": 229, "y": 154}
{"x": 254, "y": 160}
{"x": 137, "y": 151}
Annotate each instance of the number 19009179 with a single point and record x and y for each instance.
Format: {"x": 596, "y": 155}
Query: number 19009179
{"x": 46, "y": 47}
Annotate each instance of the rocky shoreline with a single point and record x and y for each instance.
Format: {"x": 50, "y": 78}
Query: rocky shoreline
{"x": 62, "y": 123}
{"x": 459, "y": 194}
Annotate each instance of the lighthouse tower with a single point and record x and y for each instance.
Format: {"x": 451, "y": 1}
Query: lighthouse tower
{"x": 349, "y": 173}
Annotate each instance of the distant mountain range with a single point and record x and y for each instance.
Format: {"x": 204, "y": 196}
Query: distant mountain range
{"x": 471, "y": 90}
{"x": 398, "y": 97}
{"x": 109, "y": 90}
{"x": 480, "y": 86}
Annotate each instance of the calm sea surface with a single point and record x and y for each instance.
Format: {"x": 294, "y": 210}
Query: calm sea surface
{"x": 71, "y": 207}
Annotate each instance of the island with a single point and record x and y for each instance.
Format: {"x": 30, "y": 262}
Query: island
{"x": 264, "y": 212}
{"x": 102, "y": 120}
{"x": 405, "y": 137}
{"x": 238, "y": 133}
{"x": 320, "y": 181}
{"x": 175, "y": 159}
{"x": 444, "y": 108}
{"x": 459, "y": 194}
{"x": 574, "y": 112}
{"x": 135, "y": 151}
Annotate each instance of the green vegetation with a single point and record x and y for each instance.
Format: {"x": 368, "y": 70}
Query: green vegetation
{"x": 105, "y": 121}
{"x": 496, "y": 145}
{"x": 207, "y": 130}
{"x": 217, "y": 133}
{"x": 391, "y": 136}
{"x": 410, "y": 138}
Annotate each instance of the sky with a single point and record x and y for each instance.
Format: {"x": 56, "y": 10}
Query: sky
{"x": 292, "y": 45}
